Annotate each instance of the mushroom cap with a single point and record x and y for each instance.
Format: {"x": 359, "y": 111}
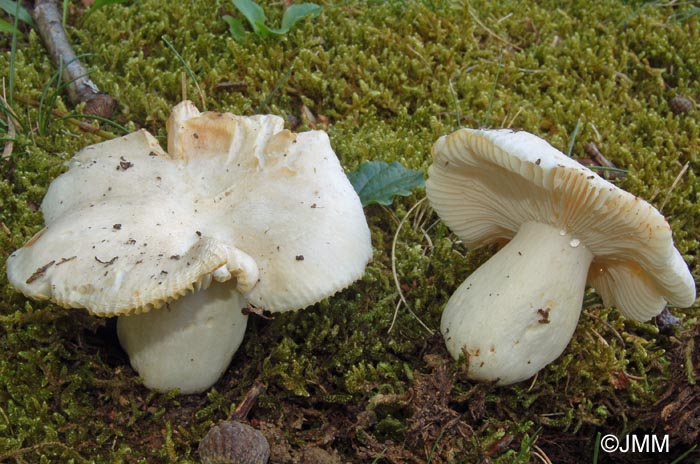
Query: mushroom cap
{"x": 484, "y": 184}
{"x": 130, "y": 227}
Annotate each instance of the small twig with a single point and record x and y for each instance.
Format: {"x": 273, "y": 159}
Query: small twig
{"x": 610, "y": 327}
{"x": 75, "y": 76}
{"x": 15, "y": 454}
{"x": 512, "y": 120}
{"x": 188, "y": 69}
{"x": 673, "y": 186}
{"x": 244, "y": 407}
{"x": 11, "y": 131}
{"x": 487, "y": 116}
{"x": 68, "y": 118}
{"x": 592, "y": 150}
{"x": 573, "y": 137}
{"x": 534, "y": 381}
{"x": 603, "y": 163}
{"x": 541, "y": 455}
{"x": 491, "y": 33}
{"x": 396, "y": 276}
{"x": 275, "y": 89}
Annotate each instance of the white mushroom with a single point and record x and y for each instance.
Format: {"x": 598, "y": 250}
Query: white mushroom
{"x": 565, "y": 227}
{"x": 237, "y": 200}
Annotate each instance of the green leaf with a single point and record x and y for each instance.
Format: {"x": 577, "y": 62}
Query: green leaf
{"x": 379, "y": 182}
{"x": 236, "y": 28}
{"x": 265, "y": 31}
{"x": 10, "y": 8}
{"x": 101, "y": 3}
{"x": 256, "y": 17}
{"x": 6, "y": 27}
{"x": 253, "y": 13}
{"x": 296, "y": 13}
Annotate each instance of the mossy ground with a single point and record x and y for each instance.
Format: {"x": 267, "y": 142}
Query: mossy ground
{"x": 385, "y": 78}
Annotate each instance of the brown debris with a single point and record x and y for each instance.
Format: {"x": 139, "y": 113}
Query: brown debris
{"x": 316, "y": 455}
{"x": 308, "y": 116}
{"x": 248, "y": 401}
{"x": 124, "y": 164}
{"x": 619, "y": 380}
{"x": 39, "y": 272}
{"x": 433, "y": 422}
{"x": 248, "y": 310}
{"x": 680, "y": 104}
{"x": 65, "y": 260}
{"x": 388, "y": 451}
{"x": 106, "y": 263}
{"x": 677, "y": 412}
{"x": 236, "y": 85}
{"x": 596, "y": 158}
{"x": 11, "y": 132}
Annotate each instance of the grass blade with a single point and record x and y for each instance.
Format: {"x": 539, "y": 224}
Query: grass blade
{"x": 17, "y": 11}
{"x": 188, "y": 69}
{"x": 487, "y": 116}
{"x": 680, "y": 458}
{"x": 6, "y": 27}
{"x": 573, "y": 138}
{"x": 276, "y": 89}
{"x": 109, "y": 122}
{"x": 596, "y": 448}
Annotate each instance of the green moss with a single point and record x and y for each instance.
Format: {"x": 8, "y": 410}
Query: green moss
{"x": 389, "y": 77}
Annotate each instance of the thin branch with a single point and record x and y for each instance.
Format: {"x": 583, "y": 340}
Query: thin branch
{"x": 674, "y": 185}
{"x": 490, "y": 32}
{"x": 247, "y": 402}
{"x": 72, "y": 120}
{"x": 11, "y": 130}
{"x": 80, "y": 88}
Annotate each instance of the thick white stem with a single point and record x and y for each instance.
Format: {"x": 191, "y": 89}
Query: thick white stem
{"x": 518, "y": 311}
{"x": 189, "y": 343}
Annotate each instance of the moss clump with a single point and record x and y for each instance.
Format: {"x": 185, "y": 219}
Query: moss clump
{"x": 386, "y": 78}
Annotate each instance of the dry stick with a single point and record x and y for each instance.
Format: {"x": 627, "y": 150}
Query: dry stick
{"x": 87, "y": 127}
{"x": 674, "y": 185}
{"x": 16, "y": 454}
{"x": 11, "y": 124}
{"x": 491, "y": 33}
{"x": 11, "y": 132}
{"x": 183, "y": 84}
{"x": 594, "y": 153}
{"x": 592, "y": 150}
{"x": 247, "y": 402}
{"x": 75, "y": 76}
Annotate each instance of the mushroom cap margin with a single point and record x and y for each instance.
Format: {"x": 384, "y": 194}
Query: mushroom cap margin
{"x": 485, "y": 183}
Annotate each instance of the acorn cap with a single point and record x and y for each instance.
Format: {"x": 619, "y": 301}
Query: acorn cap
{"x": 484, "y": 184}
{"x": 233, "y": 442}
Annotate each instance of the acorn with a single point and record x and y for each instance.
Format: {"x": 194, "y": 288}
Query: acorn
{"x": 233, "y": 442}
{"x": 680, "y": 104}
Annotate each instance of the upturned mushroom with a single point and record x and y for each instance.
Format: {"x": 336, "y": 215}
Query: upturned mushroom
{"x": 237, "y": 212}
{"x": 564, "y": 227}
